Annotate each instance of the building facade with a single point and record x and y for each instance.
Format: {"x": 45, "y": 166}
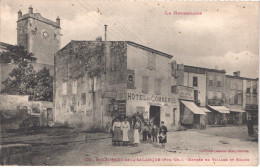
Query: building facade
{"x": 195, "y": 77}
{"x": 96, "y": 81}
{"x": 250, "y": 98}
{"x": 234, "y": 98}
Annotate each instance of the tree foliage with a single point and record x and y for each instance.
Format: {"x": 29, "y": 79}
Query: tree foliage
{"x": 24, "y": 80}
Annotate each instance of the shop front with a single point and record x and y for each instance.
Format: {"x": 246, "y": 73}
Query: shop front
{"x": 219, "y": 115}
{"x": 236, "y": 116}
{"x": 153, "y": 108}
{"x": 191, "y": 115}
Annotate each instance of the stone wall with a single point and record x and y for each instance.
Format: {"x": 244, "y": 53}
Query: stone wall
{"x": 81, "y": 67}
{"x": 11, "y": 105}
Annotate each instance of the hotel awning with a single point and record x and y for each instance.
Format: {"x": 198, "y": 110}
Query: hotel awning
{"x": 220, "y": 109}
{"x": 237, "y": 110}
{"x": 193, "y": 107}
{"x": 205, "y": 109}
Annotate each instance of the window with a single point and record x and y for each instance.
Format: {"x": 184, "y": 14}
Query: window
{"x": 95, "y": 84}
{"x": 157, "y": 88}
{"x": 248, "y": 87}
{"x": 232, "y": 97}
{"x": 90, "y": 84}
{"x": 219, "y": 94}
{"x": 196, "y": 95}
{"x": 195, "y": 81}
{"x": 219, "y": 84}
{"x": 210, "y": 94}
{"x": 254, "y": 100}
{"x": 55, "y": 36}
{"x": 240, "y": 86}
{"x": 254, "y": 88}
{"x": 174, "y": 89}
{"x": 236, "y": 99}
{"x": 248, "y": 99}
{"x": 210, "y": 80}
{"x": 240, "y": 98}
{"x": 83, "y": 98}
{"x": 235, "y": 85}
{"x": 64, "y": 88}
{"x": 151, "y": 61}
{"x": 145, "y": 84}
{"x": 74, "y": 87}
{"x": 219, "y": 81}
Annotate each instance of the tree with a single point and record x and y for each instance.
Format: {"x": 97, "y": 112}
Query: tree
{"x": 16, "y": 54}
{"x": 24, "y": 80}
{"x": 43, "y": 90}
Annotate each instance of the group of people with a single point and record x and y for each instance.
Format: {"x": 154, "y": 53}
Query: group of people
{"x": 131, "y": 131}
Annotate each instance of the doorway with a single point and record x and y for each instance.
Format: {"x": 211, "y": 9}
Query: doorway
{"x": 49, "y": 114}
{"x": 155, "y": 114}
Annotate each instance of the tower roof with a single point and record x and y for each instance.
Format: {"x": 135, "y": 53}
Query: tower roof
{"x": 38, "y": 17}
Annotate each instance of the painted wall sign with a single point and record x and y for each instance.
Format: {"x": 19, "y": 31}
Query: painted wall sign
{"x": 150, "y": 98}
{"x": 185, "y": 92}
{"x": 110, "y": 94}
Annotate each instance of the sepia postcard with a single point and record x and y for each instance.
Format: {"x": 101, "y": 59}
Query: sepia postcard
{"x": 129, "y": 83}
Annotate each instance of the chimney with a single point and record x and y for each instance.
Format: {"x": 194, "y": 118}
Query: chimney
{"x": 19, "y": 14}
{"x": 58, "y": 20}
{"x": 30, "y": 10}
{"x": 237, "y": 73}
{"x": 99, "y": 38}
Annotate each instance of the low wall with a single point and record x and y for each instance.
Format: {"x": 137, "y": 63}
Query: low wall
{"x": 15, "y": 108}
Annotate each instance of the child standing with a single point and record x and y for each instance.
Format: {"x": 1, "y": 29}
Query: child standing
{"x": 145, "y": 132}
{"x": 154, "y": 132}
{"x": 163, "y": 134}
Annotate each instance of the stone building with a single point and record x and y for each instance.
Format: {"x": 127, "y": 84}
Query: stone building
{"x": 191, "y": 90}
{"x": 250, "y": 97}
{"x": 97, "y": 80}
{"x": 39, "y": 35}
{"x": 234, "y": 98}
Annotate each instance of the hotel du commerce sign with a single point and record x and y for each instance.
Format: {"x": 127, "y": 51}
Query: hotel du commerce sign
{"x": 156, "y": 100}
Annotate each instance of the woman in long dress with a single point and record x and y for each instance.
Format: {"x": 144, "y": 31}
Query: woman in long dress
{"x": 137, "y": 126}
{"x": 125, "y": 127}
{"x": 117, "y": 138}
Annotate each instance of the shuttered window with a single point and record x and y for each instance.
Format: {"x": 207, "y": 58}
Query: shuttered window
{"x": 157, "y": 88}
{"x": 74, "y": 87}
{"x": 64, "y": 88}
{"x": 151, "y": 61}
{"x": 145, "y": 84}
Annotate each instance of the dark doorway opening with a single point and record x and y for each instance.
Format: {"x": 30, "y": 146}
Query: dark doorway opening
{"x": 155, "y": 112}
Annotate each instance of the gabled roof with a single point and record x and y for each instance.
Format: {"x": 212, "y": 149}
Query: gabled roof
{"x": 201, "y": 70}
{"x": 128, "y": 42}
{"x": 149, "y": 49}
{"x": 4, "y": 45}
{"x": 242, "y": 78}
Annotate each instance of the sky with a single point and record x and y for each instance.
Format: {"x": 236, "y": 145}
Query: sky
{"x": 224, "y": 36}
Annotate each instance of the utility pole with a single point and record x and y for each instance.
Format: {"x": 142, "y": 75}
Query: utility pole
{"x": 105, "y": 33}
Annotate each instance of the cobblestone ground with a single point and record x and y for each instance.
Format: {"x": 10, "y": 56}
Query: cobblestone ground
{"x": 213, "y": 146}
